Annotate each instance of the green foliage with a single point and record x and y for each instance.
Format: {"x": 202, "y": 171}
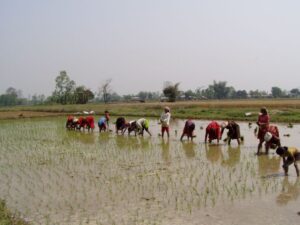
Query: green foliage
{"x": 83, "y": 95}
{"x": 66, "y": 91}
{"x": 171, "y": 91}
{"x": 12, "y": 97}
{"x": 277, "y": 92}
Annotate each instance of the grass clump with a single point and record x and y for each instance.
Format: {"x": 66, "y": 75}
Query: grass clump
{"x": 7, "y": 217}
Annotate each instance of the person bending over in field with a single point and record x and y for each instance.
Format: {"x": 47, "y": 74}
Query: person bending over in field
{"x": 121, "y": 125}
{"x": 290, "y": 155}
{"x": 70, "y": 123}
{"x": 213, "y": 131}
{"x": 81, "y": 123}
{"x": 90, "y": 123}
{"x": 271, "y": 138}
{"x": 263, "y": 125}
{"x": 188, "y": 130}
{"x": 102, "y": 124}
{"x": 131, "y": 127}
{"x": 233, "y": 131}
{"x": 143, "y": 124}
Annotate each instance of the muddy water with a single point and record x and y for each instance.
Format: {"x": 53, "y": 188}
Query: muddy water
{"x": 54, "y": 176}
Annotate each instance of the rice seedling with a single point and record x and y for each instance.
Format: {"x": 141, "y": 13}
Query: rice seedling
{"x": 69, "y": 178}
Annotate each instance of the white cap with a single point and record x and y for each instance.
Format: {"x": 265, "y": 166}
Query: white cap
{"x": 92, "y": 112}
{"x": 268, "y": 137}
{"x": 85, "y": 112}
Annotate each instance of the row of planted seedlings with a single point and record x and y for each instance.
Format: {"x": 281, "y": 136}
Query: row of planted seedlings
{"x": 53, "y": 176}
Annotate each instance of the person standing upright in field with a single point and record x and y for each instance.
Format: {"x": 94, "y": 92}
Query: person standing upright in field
{"x": 165, "y": 122}
{"x": 107, "y": 117}
{"x": 263, "y": 122}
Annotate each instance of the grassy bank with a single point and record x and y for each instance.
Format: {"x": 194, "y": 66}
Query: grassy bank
{"x": 281, "y": 110}
{"x": 7, "y": 218}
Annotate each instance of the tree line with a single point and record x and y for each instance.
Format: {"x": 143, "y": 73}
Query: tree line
{"x": 67, "y": 92}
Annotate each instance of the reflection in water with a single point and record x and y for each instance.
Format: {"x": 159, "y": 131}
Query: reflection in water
{"x": 234, "y": 156}
{"x": 290, "y": 191}
{"x": 84, "y": 138}
{"x": 165, "y": 147}
{"x": 103, "y": 138}
{"x": 120, "y": 141}
{"x": 145, "y": 142}
{"x": 189, "y": 149}
{"x": 268, "y": 164}
{"x": 213, "y": 152}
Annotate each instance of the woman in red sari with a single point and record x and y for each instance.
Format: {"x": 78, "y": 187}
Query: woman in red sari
{"x": 212, "y": 132}
{"x": 263, "y": 126}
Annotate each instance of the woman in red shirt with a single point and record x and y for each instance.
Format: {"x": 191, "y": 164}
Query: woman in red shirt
{"x": 213, "y": 131}
{"x": 263, "y": 125}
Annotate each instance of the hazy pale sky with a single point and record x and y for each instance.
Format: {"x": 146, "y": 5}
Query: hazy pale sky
{"x": 253, "y": 44}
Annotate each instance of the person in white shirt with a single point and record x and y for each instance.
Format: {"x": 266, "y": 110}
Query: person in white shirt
{"x": 165, "y": 122}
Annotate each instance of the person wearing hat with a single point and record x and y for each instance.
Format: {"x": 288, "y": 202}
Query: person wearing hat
{"x": 271, "y": 138}
{"x": 263, "y": 121}
{"x": 289, "y": 155}
{"x": 233, "y": 131}
{"x": 165, "y": 122}
{"x": 212, "y": 132}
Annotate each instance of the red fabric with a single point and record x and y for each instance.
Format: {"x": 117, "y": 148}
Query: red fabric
{"x": 273, "y": 130}
{"x": 82, "y": 121}
{"x": 90, "y": 121}
{"x": 275, "y": 136}
{"x": 263, "y": 128}
{"x": 70, "y": 118}
{"x": 214, "y": 130}
{"x": 163, "y": 129}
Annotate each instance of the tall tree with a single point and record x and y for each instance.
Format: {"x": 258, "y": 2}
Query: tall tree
{"x": 64, "y": 89}
{"x": 105, "y": 90}
{"x": 83, "y": 95}
{"x": 171, "y": 91}
{"x": 276, "y": 92}
{"x": 221, "y": 91}
{"x": 295, "y": 92}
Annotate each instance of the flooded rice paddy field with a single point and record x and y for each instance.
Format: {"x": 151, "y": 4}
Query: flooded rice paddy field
{"x": 54, "y": 176}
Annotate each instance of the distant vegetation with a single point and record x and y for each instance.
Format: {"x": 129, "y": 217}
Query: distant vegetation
{"x": 67, "y": 92}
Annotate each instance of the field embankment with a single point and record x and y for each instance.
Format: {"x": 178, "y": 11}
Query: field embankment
{"x": 281, "y": 110}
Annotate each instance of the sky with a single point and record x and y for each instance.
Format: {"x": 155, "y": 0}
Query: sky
{"x": 140, "y": 44}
